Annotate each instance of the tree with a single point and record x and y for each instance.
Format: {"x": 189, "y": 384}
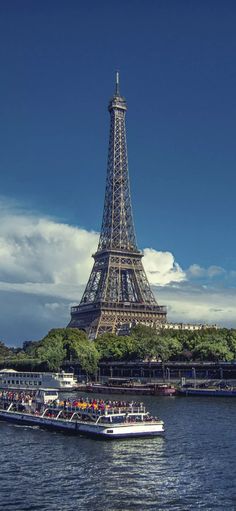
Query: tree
{"x": 68, "y": 343}
{"x": 4, "y": 350}
{"x": 78, "y": 347}
{"x": 51, "y": 349}
{"x": 113, "y": 347}
{"x": 144, "y": 340}
{"x": 30, "y": 347}
{"x": 214, "y": 349}
{"x": 150, "y": 343}
{"x": 231, "y": 341}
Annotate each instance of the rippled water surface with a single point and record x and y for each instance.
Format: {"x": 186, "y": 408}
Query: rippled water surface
{"x": 192, "y": 468}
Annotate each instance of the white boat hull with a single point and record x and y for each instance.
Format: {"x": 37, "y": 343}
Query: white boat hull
{"x": 112, "y": 431}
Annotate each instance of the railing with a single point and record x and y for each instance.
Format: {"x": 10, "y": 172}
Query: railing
{"x": 121, "y": 306}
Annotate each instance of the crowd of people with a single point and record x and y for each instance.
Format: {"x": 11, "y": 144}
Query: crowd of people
{"x": 27, "y": 401}
{"x": 22, "y": 397}
{"x": 88, "y": 404}
{"x": 99, "y": 404}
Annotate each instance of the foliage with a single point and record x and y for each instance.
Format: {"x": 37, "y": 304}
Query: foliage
{"x": 68, "y": 343}
{"x": 78, "y": 347}
{"x": 22, "y": 364}
{"x": 143, "y": 343}
{"x": 51, "y": 349}
{"x": 151, "y": 344}
{"x": 113, "y": 347}
{"x": 30, "y": 348}
{"x": 4, "y": 350}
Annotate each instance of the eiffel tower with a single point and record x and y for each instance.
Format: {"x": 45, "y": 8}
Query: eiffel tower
{"x": 117, "y": 295}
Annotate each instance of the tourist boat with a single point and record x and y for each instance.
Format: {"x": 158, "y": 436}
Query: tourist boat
{"x": 11, "y": 379}
{"x": 108, "y": 423}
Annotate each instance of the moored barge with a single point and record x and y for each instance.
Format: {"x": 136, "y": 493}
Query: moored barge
{"x": 208, "y": 392}
{"x": 150, "y": 389}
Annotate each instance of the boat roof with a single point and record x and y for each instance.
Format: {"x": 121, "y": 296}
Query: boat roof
{"x": 44, "y": 389}
{"x": 8, "y": 371}
{"x": 36, "y": 372}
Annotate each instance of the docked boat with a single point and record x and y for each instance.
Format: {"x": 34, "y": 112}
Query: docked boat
{"x": 148, "y": 389}
{"x": 11, "y": 379}
{"x": 96, "y": 419}
{"x": 208, "y": 392}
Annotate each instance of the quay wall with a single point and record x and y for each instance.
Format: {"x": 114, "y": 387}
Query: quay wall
{"x": 156, "y": 371}
{"x": 144, "y": 371}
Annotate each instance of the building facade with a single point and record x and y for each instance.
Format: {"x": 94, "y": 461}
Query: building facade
{"x": 189, "y": 326}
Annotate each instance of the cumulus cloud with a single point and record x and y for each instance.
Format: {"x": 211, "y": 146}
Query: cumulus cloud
{"x": 40, "y": 250}
{"x": 200, "y": 304}
{"x": 161, "y": 268}
{"x": 45, "y": 264}
{"x": 42, "y": 256}
{"x": 196, "y": 271}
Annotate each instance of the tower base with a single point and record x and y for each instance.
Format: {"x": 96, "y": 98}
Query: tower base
{"x": 99, "y": 318}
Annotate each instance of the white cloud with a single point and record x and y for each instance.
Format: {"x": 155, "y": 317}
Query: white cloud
{"x": 196, "y": 271}
{"x": 45, "y": 257}
{"x": 200, "y": 305}
{"x": 45, "y": 264}
{"x": 39, "y": 252}
{"x": 161, "y": 268}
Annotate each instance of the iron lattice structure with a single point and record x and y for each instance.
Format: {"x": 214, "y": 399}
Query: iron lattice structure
{"x": 117, "y": 294}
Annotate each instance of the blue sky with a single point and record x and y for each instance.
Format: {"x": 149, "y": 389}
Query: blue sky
{"x": 177, "y": 66}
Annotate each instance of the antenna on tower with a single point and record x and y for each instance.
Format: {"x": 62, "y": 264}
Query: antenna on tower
{"x": 117, "y": 83}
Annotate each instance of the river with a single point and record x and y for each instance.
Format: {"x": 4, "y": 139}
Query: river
{"x": 192, "y": 468}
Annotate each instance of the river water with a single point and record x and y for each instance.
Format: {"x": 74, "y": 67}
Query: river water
{"x": 192, "y": 468}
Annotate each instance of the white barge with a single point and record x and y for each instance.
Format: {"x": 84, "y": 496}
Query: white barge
{"x": 110, "y": 423}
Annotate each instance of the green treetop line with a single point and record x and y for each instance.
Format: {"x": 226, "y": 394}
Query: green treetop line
{"x": 144, "y": 343}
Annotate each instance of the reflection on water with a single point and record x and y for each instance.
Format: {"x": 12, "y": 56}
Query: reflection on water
{"x": 192, "y": 468}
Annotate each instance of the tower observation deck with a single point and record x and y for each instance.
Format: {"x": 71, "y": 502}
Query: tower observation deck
{"x": 117, "y": 295}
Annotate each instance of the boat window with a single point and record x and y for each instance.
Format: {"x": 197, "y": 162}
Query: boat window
{"x": 117, "y": 419}
{"x": 109, "y": 430}
{"x": 105, "y": 419}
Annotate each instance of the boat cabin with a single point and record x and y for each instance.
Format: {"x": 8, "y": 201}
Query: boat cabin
{"x": 11, "y": 379}
{"x": 46, "y": 396}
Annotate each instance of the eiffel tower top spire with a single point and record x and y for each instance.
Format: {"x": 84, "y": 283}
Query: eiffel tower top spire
{"x": 117, "y": 83}
{"x": 117, "y": 232}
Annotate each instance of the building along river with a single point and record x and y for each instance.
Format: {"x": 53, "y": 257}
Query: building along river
{"x": 192, "y": 468}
